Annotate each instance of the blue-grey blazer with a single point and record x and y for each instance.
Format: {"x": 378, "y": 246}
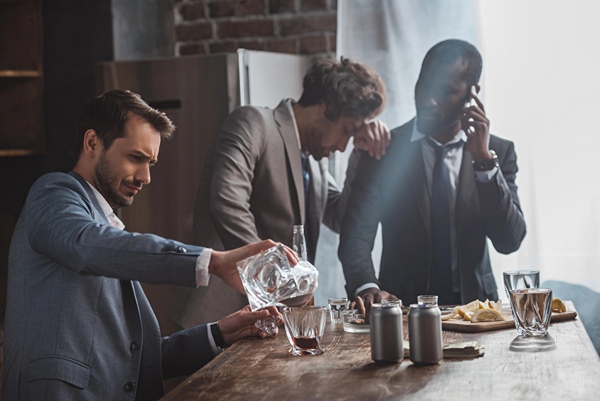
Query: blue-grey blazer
{"x": 78, "y": 325}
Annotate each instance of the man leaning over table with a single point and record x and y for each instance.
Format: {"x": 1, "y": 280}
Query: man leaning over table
{"x": 268, "y": 171}
{"x": 78, "y": 325}
{"x": 435, "y": 216}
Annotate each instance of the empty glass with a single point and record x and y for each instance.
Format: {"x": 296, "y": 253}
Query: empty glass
{"x": 336, "y": 307}
{"x": 304, "y": 328}
{"x": 519, "y": 279}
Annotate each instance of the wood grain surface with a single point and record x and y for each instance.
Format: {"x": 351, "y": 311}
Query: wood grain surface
{"x": 561, "y": 366}
{"x": 470, "y": 327}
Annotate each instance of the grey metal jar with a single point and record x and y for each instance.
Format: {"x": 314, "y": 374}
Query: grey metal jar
{"x": 386, "y": 332}
{"x": 425, "y": 331}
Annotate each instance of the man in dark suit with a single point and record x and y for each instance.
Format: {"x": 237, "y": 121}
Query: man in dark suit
{"x": 444, "y": 188}
{"x": 78, "y": 325}
{"x": 268, "y": 171}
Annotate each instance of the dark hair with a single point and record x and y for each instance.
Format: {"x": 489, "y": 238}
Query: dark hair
{"x": 346, "y": 88}
{"x": 450, "y": 51}
{"x": 107, "y": 114}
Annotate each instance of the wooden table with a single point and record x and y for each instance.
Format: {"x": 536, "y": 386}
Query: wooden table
{"x": 257, "y": 369}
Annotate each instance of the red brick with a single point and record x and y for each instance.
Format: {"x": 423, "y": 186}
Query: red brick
{"x": 282, "y": 6}
{"x": 283, "y": 45}
{"x": 192, "y": 48}
{"x": 251, "y": 7}
{"x": 252, "y": 44}
{"x": 313, "y": 44}
{"x": 223, "y": 47}
{"x": 312, "y": 5}
{"x": 246, "y": 28}
{"x": 221, "y": 8}
{"x": 201, "y": 30}
{"x": 308, "y": 24}
{"x": 192, "y": 11}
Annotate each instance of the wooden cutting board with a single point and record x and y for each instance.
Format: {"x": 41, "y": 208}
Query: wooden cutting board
{"x": 509, "y": 323}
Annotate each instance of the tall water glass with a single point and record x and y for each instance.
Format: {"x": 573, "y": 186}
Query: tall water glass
{"x": 520, "y": 279}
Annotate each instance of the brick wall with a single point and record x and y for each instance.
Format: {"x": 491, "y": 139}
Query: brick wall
{"x": 285, "y": 26}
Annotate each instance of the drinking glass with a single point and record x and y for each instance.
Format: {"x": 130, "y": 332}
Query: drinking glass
{"x": 336, "y": 307}
{"x": 531, "y": 309}
{"x": 519, "y": 279}
{"x": 304, "y": 328}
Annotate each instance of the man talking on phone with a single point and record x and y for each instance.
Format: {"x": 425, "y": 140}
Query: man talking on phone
{"x": 445, "y": 187}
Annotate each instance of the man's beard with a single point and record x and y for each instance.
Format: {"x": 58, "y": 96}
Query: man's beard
{"x": 104, "y": 178}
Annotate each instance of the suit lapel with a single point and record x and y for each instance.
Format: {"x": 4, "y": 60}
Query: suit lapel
{"x": 415, "y": 166}
{"x": 99, "y": 215}
{"x": 419, "y": 185}
{"x": 466, "y": 189}
{"x": 287, "y": 130}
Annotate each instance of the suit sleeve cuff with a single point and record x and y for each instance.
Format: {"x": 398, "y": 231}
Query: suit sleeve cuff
{"x": 216, "y": 350}
{"x": 202, "y": 275}
{"x": 485, "y": 176}
{"x": 364, "y": 287}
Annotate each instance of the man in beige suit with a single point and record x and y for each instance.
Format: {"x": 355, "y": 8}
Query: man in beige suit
{"x": 268, "y": 171}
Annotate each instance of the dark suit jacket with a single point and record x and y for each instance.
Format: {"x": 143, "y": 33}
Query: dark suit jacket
{"x": 78, "y": 325}
{"x": 252, "y": 189}
{"x": 394, "y": 192}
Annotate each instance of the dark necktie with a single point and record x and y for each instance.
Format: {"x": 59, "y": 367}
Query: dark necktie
{"x": 306, "y": 182}
{"x": 441, "y": 269}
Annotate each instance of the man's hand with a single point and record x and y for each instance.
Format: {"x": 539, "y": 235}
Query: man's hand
{"x": 240, "y": 324}
{"x": 373, "y": 137}
{"x": 223, "y": 263}
{"x": 477, "y": 127}
{"x": 372, "y": 296}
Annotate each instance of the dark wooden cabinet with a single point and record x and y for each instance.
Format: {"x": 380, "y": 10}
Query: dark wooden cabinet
{"x": 21, "y": 78}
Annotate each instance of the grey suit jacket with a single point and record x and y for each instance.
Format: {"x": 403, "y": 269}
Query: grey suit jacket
{"x": 394, "y": 192}
{"x": 78, "y": 325}
{"x": 252, "y": 189}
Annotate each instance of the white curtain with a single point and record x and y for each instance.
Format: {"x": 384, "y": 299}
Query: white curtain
{"x": 540, "y": 88}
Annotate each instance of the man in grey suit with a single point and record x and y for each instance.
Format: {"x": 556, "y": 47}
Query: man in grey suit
{"x": 444, "y": 188}
{"x": 268, "y": 171}
{"x": 78, "y": 325}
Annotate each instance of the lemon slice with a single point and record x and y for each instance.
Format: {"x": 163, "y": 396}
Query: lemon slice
{"x": 450, "y": 315}
{"x": 558, "y": 305}
{"x": 496, "y": 305}
{"x": 471, "y": 306}
{"x": 487, "y": 315}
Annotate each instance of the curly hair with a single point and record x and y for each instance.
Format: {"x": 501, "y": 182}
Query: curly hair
{"x": 347, "y": 89}
{"x": 107, "y": 114}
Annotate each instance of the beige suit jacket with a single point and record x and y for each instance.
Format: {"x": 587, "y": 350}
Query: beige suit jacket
{"x": 252, "y": 189}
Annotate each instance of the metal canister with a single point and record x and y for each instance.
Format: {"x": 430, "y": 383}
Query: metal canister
{"x": 425, "y": 331}
{"x": 386, "y": 332}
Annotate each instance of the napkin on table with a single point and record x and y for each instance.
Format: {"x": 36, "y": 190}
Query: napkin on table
{"x": 468, "y": 349}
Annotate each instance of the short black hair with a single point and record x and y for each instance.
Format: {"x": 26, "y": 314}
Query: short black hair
{"x": 450, "y": 51}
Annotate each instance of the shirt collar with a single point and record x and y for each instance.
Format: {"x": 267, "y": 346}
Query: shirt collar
{"x": 108, "y": 211}
{"x": 416, "y": 135}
